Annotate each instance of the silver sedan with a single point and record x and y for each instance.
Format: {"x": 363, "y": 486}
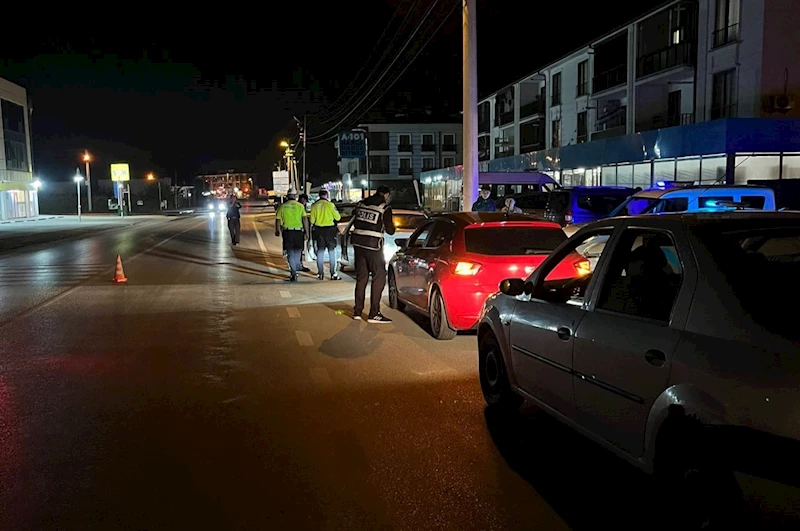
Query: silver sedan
{"x": 405, "y": 222}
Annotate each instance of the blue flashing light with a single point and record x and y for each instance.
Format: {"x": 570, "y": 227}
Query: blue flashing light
{"x": 712, "y": 204}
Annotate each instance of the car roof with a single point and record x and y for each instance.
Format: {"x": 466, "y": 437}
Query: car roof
{"x": 469, "y": 218}
{"x": 730, "y": 219}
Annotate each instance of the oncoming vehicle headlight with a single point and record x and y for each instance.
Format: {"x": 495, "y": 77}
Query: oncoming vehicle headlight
{"x": 221, "y": 207}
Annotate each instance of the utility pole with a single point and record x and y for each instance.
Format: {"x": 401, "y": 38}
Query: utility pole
{"x": 470, "y": 111}
{"x": 86, "y": 158}
{"x": 305, "y": 175}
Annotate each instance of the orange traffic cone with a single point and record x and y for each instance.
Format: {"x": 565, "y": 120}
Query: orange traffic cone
{"x": 119, "y": 276}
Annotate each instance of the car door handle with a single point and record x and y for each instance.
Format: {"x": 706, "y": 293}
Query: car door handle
{"x": 655, "y": 357}
{"x": 564, "y": 333}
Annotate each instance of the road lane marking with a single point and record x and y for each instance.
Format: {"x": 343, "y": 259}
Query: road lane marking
{"x": 285, "y": 294}
{"x": 293, "y": 312}
{"x": 262, "y": 246}
{"x": 320, "y": 376}
{"x": 304, "y": 338}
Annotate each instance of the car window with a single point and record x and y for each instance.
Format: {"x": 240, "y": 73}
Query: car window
{"x": 418, "y": 238}
{"x": 644, "y": 277}
{"x": 633, "y": 206}
{"x": 754, "y": 201}
{"x": 707, "y": 201}
{"x": 441, "y": 234}
{"x": 559, "y": 202}
{"x": 600, "y": 204}
{"x": 671, "y": 204}
{"x": 531, "y": 202}
{"x": 408, "y": 221}
{"x": 512, "y": 241}
{"x": 567, "y": 280}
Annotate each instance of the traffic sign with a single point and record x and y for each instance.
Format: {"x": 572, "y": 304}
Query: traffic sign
{"x": 120, "y": 172}
{"x": 353, "y": 144}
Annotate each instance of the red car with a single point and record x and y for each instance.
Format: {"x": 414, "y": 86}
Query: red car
{"x": 449, "y": 266}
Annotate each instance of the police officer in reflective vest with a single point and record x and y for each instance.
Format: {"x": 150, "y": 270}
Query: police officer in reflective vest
{"x": 372, "y": 217}
{"x": 289, "y": 223}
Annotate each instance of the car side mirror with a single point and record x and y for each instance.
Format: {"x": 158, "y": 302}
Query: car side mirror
{"x": 401, "y": 243}
{"x": 515, "y": 286}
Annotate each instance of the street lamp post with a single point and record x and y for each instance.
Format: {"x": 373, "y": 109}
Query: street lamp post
{"x": 78, "y": 178}
{"x": 151, "y": 177}
{"x": 86, "y": 159}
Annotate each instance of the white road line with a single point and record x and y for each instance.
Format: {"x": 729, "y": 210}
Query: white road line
{"x": 285, "y": 294}
{"x": 320, "y": 376}
{"x": 304, "y": 338}
{"x": 293, "y": 312}
{"x": 262, "y": 246}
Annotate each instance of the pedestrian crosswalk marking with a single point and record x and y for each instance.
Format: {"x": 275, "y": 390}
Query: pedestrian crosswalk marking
{"x": 293, "y": 312}
{"x": 285, "y": 294}
{"x": 304, "y": 338}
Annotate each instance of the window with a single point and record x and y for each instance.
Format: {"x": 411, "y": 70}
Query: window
{"x": 14, "y": 139}
{"x": 710, "y": 202}
{"x": 726, "y": 26}
{"x": 427, "y": 143}
{"x": 441, "y": 234}
{"x": 405, "y": 166}
{"x": 583, "y": 78}
{"x": 567, "y": 280}
{"x": 449, "y": 142}
{"x": 754, "y": 201}
{"x": 671, "y": 204}
{"x": 645, "y": 276}
{"x": 583, "y": 131}
{"x": 379, "y": 164}
{"x": 418, "y": 238}
{"x": 379, "y": 141}
{"x": 512, "y": 241}
{"x": 532, "y": 201}
{"x": 408, "y": 221}
{"x": 556, "y": 134}
{"x": 600, "y": 204}
{"x": 556, "y": 97}
{"x": 449, "y": 162}
{"x": 427, "y": 164}
{"x": 723, "y": 95}
{"x": 404, "y": 143}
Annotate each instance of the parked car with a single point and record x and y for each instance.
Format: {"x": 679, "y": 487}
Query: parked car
{"x": 583, "y": 204}
{"x": 405, "y": 222}
{"x": 448, "y": 266}
{"x": 673, "y": 353}
{"x": 534, "y": 203}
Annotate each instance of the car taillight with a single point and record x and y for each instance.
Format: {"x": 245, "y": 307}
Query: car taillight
{"x": 568, "y": 217}
{"x": 583, "y": 267}
{"x": 466, "y": 269}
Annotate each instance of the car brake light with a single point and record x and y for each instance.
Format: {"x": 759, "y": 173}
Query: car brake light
{"x": 568, "y": 217}
{"x": 466, "y": 268}
{"x": 583, "y": 267}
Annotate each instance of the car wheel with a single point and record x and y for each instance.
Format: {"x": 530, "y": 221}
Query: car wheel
{"x": 440, "y": 326}
{"x": 704, "y": 494}
{"x": 394, "y": 300}
{"x": 493, "y": 375}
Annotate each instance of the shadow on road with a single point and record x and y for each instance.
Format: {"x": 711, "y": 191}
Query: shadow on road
{"x": 199, "y": 260}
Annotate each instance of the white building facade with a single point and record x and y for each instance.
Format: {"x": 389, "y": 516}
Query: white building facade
{"x": 18, "y": 195}
{"x": 699, "y": 91}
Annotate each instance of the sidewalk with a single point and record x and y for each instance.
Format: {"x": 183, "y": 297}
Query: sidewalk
{"x": 17, "y": 234}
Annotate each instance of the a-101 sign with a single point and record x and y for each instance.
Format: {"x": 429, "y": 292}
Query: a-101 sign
{"x": 353, "y": 144}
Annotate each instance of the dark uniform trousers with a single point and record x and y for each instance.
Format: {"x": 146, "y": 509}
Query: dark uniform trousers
{"x": 369, "y": 262}
{"x": 235, "y": 227}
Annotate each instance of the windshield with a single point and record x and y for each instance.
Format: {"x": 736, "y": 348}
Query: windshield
{"x": 600, "y": 204}
{"x": 758, "y": 264}
{"x": 633, "y": 206}
{"x": 408, "y": 221}
{"x": 512, "y": 241}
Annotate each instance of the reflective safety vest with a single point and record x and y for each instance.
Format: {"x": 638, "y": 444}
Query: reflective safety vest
{"x": 367, "y": 231}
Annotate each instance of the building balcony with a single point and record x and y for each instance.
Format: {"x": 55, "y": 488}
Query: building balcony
{"x": 580, "y": 139}
{"x": 534, "y": 108}
{"x": 449, "y": 147}
{"x": 724, "y": 36}
{"x": 723, "y": 111}
{"x": 682, "y": 54}
{"x": 531, "y": 147}
{"x": 616, "y": 126}
{"x": 503, "y": 152}
{"x": 379, "y": 170}
{"x": 405, "y": 171}
{"x": 680, "y": 119}
{"x": 609, "y": 79}
{"x": 504, "y": 118}
{"x": 429, "y": 148}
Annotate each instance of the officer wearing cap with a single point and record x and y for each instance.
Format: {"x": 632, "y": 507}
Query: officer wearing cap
{"x": 289, "y": 223}
{"x": 371, "y": 218}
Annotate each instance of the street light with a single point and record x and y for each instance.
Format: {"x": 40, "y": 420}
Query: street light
{"x": 284, "y": 144}
{"x": 37, "y": 184}
{"x": 151, "y": 177}
{"x": 78, "y": 178}
{"x": 86, "y": 159}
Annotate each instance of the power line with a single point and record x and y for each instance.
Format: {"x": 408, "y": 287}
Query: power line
{"x": 391, "y": 83}
{"x": 410, "y": 39}
{"x": 386, "y": 50}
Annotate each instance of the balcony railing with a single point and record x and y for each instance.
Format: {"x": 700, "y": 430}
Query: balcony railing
{"x": 503, "y": 152}
{"x": 504, "y": 118}
{"x": 404, "y": 148}
{"x": 616, "y": 126}
{"x": 580, "y": 139}
{"x": 379, "y": 170}
{"x": 533, "y": 146}
{"x": 405, "y": 171}
{"x": 680, "y": 119}
{"x": 448, "y": 147}
{"x": 723, "y": 111}
{"x": 532, "y": 109}
{"x": 680, "y": 54}
{"x": 610, "y": 78}
{"x": 429, "y": 147}
{"x": 582, "y": 89}
{"x": 726, "y": 35}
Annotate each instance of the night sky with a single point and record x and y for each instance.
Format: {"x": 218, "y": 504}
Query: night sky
{"x": 178, "y": 94}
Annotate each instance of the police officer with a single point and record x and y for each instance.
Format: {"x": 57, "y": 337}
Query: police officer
{"x": 372, "y": 217}
{"x": 234, "y": 220}
{"x": 324, "y": 216}
{"x": 289, "y": 223}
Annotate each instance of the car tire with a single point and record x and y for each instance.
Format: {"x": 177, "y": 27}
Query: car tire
{"x": 495, "y": 385}
{"x": 440, "y": 325}
{"x": 703, "y": 493}
{"x": 394, "y": 300}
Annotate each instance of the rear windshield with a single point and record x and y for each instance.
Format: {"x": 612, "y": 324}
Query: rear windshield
{"x": 408, "y": 221}
{"x": 762, "y": 267}
{"x": 513, "y": 241}
{"x": 600, "y": 204}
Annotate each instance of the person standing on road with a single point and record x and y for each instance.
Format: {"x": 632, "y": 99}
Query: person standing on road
{"x": 303, "y": 200}
{"x": 234, "y": 220}
{"x": 324, "y": 216}
{"x": 484, "y": 202}
{"x": 372, "y": 217}
{"x": 289, "y": 223}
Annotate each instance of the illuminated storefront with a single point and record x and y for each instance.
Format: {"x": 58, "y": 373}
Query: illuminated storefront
{"x": 19, "y": 197}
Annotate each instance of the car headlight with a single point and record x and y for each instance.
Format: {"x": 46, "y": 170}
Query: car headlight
{"x": 221, "y": 207}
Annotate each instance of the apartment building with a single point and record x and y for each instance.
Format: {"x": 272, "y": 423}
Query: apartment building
{"x": 230, "y": 182}
{"x": 400, "y": 152}
{"x": 19, "y": 197}
{"x": 699, "y": 91}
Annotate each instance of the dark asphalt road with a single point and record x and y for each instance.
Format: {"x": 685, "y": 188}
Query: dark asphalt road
{"x": 207, "y": 393}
